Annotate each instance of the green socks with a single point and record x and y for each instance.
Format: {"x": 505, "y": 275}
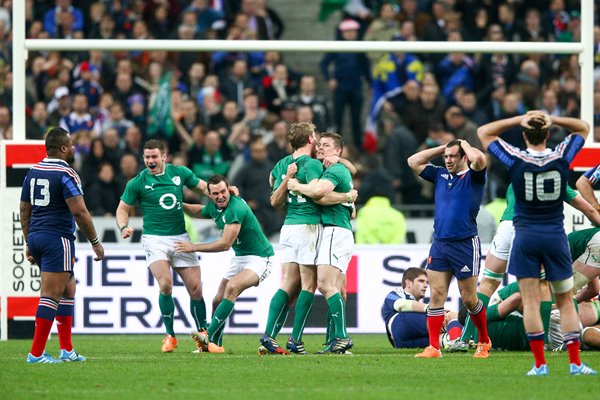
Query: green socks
{"x": 198, "y": 310}
{"x": 219, "y": 318}
{"x": 278, "y": 311}
{"x": 303, "y": 308}
{"x": 167, "y": 309}
{"x": 337, "y": 307}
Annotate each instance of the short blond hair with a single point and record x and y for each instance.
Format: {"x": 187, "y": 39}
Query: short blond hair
{"x": 299, "y": 133}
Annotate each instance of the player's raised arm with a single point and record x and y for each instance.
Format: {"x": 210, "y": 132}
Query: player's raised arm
{"x": 194, "y": 210}
{"x": 489, "y": 132}
{"x": 586, "y": 190}
{"x": 475, "y": 156}
{"x": 279, "y": 195}
{"x": 418, "y": 161}
{"x": 315, "y": 189}
{"x": 573, "y": 125}
{"x": 224, "y": 243}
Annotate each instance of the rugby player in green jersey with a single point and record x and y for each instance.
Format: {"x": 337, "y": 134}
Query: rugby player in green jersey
{"x": 251, "y": 264}
{"x": 159, "y": 191}
{"x": 337, "y": 242}
{"x": 299, "y": 237}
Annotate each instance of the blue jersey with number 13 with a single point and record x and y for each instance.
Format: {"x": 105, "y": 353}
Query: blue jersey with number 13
{"x": 46, "y": 187}
{"x": 539, "y": 180}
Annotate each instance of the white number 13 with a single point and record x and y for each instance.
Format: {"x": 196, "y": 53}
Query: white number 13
{"x": 44, "y": 185}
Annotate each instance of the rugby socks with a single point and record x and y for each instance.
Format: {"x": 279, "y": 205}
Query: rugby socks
{"x": 454, "y": 329}
{"x": 536, "y": 343}
{"x": 44, "y": 317}
{"x": 64, "y": 322}
{"x": 167, "y": 309}
{"x": 478, "y": 318}
{"x": 337, "y": 307}
{"x": 435, "y": 321}
{"x": 277, "y": 310}
{"x": 571, "y": 341}
{"x": 218, "y": 320}
{"x": 329, "y": 331}
{"x": 198, "y": 310}
{"x": 304, "y": 306}
{"x": 470, "y": 329}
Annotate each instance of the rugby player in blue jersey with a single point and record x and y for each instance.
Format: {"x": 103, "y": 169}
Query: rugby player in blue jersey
{"x": 51, "y": 203}
{"x": 455, "y": 250}
{"x": 539, "y": 178}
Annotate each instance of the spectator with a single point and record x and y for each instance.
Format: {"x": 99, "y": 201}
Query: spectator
{"x": 128, "y": 169}
{"x": 80, "y": 119}
{"x": 87, "y": 84}
{"x": 134, "y": 143}
{"x": 37, "y": 122}
{"x": 317, "y": 103}
{"x": 253, "y": 182}
{"x": 419, "y": 117}
{"x": 279, "y": 146}
{"x": 279, "y": 90}
{"x": 103, "y": 194}
{"x": 116, "y": 120}
{"x": 113, "y": 145}
{"x": 59, "y": 106}
{"x": 456, "y": 69}
{"x": 225, "y": 119}
{"x": 382, "y": 28}
{"x": 63, "y": 20}
{"x": 468, "y": 104}
{"x": 92, "y": 161}
{"x": 238, "y": 83}
{"x": 409, "y": 12}
{"x": 461, "y": 127}
{"x": 208, "y": 160}
{"x": 346, "y": 82}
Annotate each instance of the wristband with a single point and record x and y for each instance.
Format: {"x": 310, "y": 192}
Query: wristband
{"x": 123, "y": 227}
{"x": 95, "y": 240}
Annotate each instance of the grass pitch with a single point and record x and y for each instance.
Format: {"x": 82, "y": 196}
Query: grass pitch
{"x": 132, "y": 367}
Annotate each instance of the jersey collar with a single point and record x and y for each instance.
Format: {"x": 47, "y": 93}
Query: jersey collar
{"x": 58, "y": 160}
{"x": 539, "y": 153}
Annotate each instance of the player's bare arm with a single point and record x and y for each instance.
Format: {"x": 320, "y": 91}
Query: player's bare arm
{"x": 230, "y": 234}
{"x": 489, "y": 133}
{"x": 315, "y": 189}
{"x": 25, "y": 216}
{"x": 587, "y": 191}
{"x": 122, "y": 216}
{"x": 475, "y": 156}
{"x": 279, "y": 195}
{"x": 589, "y": 291}
{"x": 573, "y": 125}
{"x": 586, "y": 208}
{"x": 418, "y": 161}
{"x": 338, "y": 198}
{"x": 194, "y": 210}
{"x": 84, "y": 220}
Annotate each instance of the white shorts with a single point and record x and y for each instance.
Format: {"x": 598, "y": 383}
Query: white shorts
{"x": 336, "y": 248}
{"x": 262, "y": 266}
{"x": 300, "y": 243}
{"x": 502, "y": 241}
{"x": 159, "y": 248}
{"x": 591, "y": 255}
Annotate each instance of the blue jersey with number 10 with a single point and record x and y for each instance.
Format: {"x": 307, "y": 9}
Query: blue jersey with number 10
{"x": 46, "y": 187}
{"x": 539, "y": 181}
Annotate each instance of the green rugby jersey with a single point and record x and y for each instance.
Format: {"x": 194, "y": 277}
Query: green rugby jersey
{"x": 509, "y": 211}
{"x": 251, "y": 240}
{"x": 161, "y": 198}
{"x": 579, "y": 240}
{"x": 338, "y": 214}
{"x": 301, "y": 210}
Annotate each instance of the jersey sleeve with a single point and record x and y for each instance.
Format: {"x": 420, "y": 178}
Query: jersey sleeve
{"x": 206, "y": 211}
{"x": 570, "y": 194}
{"x": 276, "y": 176}
{"x": 26, "y": 190}
{"x": 479, "y": 176}
{"x": 189, "y": 178}
{"x": 332, "y": 175}
{"x": 430, "y": 173}
{"x": 593, "y": 175}
{"x": 71, "y": 185}
{"x": 504, "y": 152}
{"x": 130, "y": 194}
{"x": 569, "y": 147}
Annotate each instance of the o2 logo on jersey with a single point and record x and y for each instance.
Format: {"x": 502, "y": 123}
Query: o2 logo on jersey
{"x": 171, "y": 200}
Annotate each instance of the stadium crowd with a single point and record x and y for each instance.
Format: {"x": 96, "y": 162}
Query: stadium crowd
{"x": 229, "y": 113}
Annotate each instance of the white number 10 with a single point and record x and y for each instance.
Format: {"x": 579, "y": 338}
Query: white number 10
{"x": 540, "y": 178}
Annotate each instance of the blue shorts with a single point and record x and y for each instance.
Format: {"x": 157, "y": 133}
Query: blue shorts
{"x": 408, "y": 330}
{"x": 52, "y": 253}
{"x": 530, "y": 250}
{"x": 461, "y": 257}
